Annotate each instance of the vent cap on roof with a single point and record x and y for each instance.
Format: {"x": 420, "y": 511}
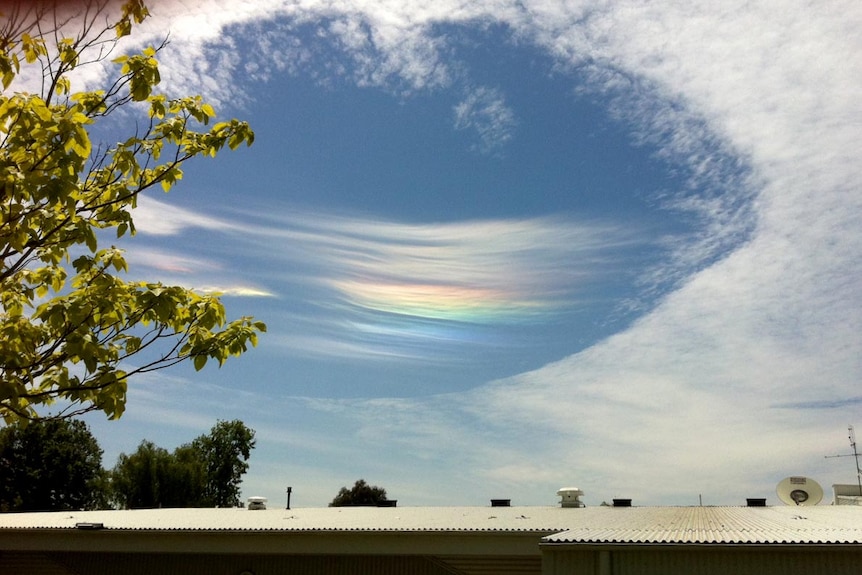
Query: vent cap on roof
{"x": 501, "y": 503}
{"x": 570, "y": 497}
{"x": 622, "y": 502}
{"x": 256, "y": 503}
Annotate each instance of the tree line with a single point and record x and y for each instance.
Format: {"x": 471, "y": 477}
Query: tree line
{"x": 56, "y": 465}
{"x": 360, "y": 495}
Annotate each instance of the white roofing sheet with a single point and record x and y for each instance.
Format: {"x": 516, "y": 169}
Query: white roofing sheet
{"x": 633, "y": 525}
{"x": 718, "y": 525}
{"x": 535, "y": 519}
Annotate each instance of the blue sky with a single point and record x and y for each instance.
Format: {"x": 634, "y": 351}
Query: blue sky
{"x": 505, "y": 247}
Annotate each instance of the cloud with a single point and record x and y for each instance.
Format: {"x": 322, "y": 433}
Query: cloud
{"x": 405, "y": 46}
{"x": 172, "y": 263}
{"x": 822, "y": 404}
{"x": 202, "y": 274}
{"x": 768, "y": 305}
{"x": 234, "y": 291}
{"x": 485, "y": 111}
{"x": 165, "y": 219}
{"x": 378, "y": 290}
{"x": 759, "y": 103}
{"x": 475, "y": 267}
{"x": 213, "y": 41}
{"x": 686, "y": 393}
{"x": 393, "y": 288}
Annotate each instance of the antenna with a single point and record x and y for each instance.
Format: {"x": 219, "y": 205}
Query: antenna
{"x": 851, "y": 434}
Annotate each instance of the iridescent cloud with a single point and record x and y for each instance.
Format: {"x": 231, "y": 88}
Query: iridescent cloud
{"x": 445, "y": 302}
{"x": 374, "y": 284}
{"x": 409, "y": 288}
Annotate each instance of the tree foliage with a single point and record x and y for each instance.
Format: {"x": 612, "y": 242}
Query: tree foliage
{"x": 360, "y": 495}
{"x": 225, "y": 452}
{"x": 137, "y": 479}
{"x": 152, "y": 477}
{"x": 71, "y": 327}
{"x": 204, "y": 473}
{"x": 52, "y": 465}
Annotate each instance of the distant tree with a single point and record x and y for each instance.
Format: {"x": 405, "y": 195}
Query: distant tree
{"x": 137, "y": 479}
{"x": 72, "y": 328}
{"x": 360, "y": 495}
{"x": 204, "y": 473}
{"x": 225, "y": 452}
{"x": 52, "y": 465}
{"x": 184, "y": 479}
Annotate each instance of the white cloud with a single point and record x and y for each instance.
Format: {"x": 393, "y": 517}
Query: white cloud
{"x": 395, "y": 290}
{"x": 683, "y": 402}
{"x": 208, "y": 273}
{"x": 768, "y": 306}
{"x": 171, "y": 263}
{"x": 485, "y": 111}
{"x": 165, "y": 219}
{"x": 234, "y": 291}
{"x": 685, "y": 397}
{"x": 203, "y": 274}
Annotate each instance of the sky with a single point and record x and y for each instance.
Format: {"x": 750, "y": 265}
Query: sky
{"x": 504, "y": 247}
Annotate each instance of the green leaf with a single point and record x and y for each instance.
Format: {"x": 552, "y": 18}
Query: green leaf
{"x": 123, "y": 28}
{"x": 200, "y": 361}
{"x": 59, "y": 191}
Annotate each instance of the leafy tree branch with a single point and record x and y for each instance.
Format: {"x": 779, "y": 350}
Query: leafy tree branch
{"x": 71, "y": 325}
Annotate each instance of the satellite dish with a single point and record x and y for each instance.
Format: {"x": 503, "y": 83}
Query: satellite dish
{"x": 799, "y": 491}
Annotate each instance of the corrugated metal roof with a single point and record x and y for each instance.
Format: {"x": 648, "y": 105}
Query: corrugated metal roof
{"x": 404, "y": 519}
{"x": 600, "y": 525}
{"x": 717, "y": 525}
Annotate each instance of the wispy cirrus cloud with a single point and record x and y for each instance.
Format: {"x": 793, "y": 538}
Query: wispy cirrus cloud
{"x": 159, "y": 218}
{"x": 385, "y": 283}
{"x": 203, "y": 272}
{"x": 407, "y": 47}
{"x": 753, "y": 99}
{"x": 171, "y": 262}
{"x": 485, "y": 111}
{"x": 385, "y": 289}
{"x": 450, "y": 269}
{"x": 682, "y": 399}
{"x": 758, "y": 103}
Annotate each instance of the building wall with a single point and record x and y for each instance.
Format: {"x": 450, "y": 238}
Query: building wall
{"x": 62, "y": 563}
{"x": 31, "y": 563}
{"x": 664, "y": 560}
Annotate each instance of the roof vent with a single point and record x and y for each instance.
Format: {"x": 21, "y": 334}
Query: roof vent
{"x": 622, "y": 502}
{"x": 570, "y": 497}
{"x": 756, "y": 502}
{"x": 256, "y": 503}
{"x": 501, "y": 503}
{"x": 89, "y": 526}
